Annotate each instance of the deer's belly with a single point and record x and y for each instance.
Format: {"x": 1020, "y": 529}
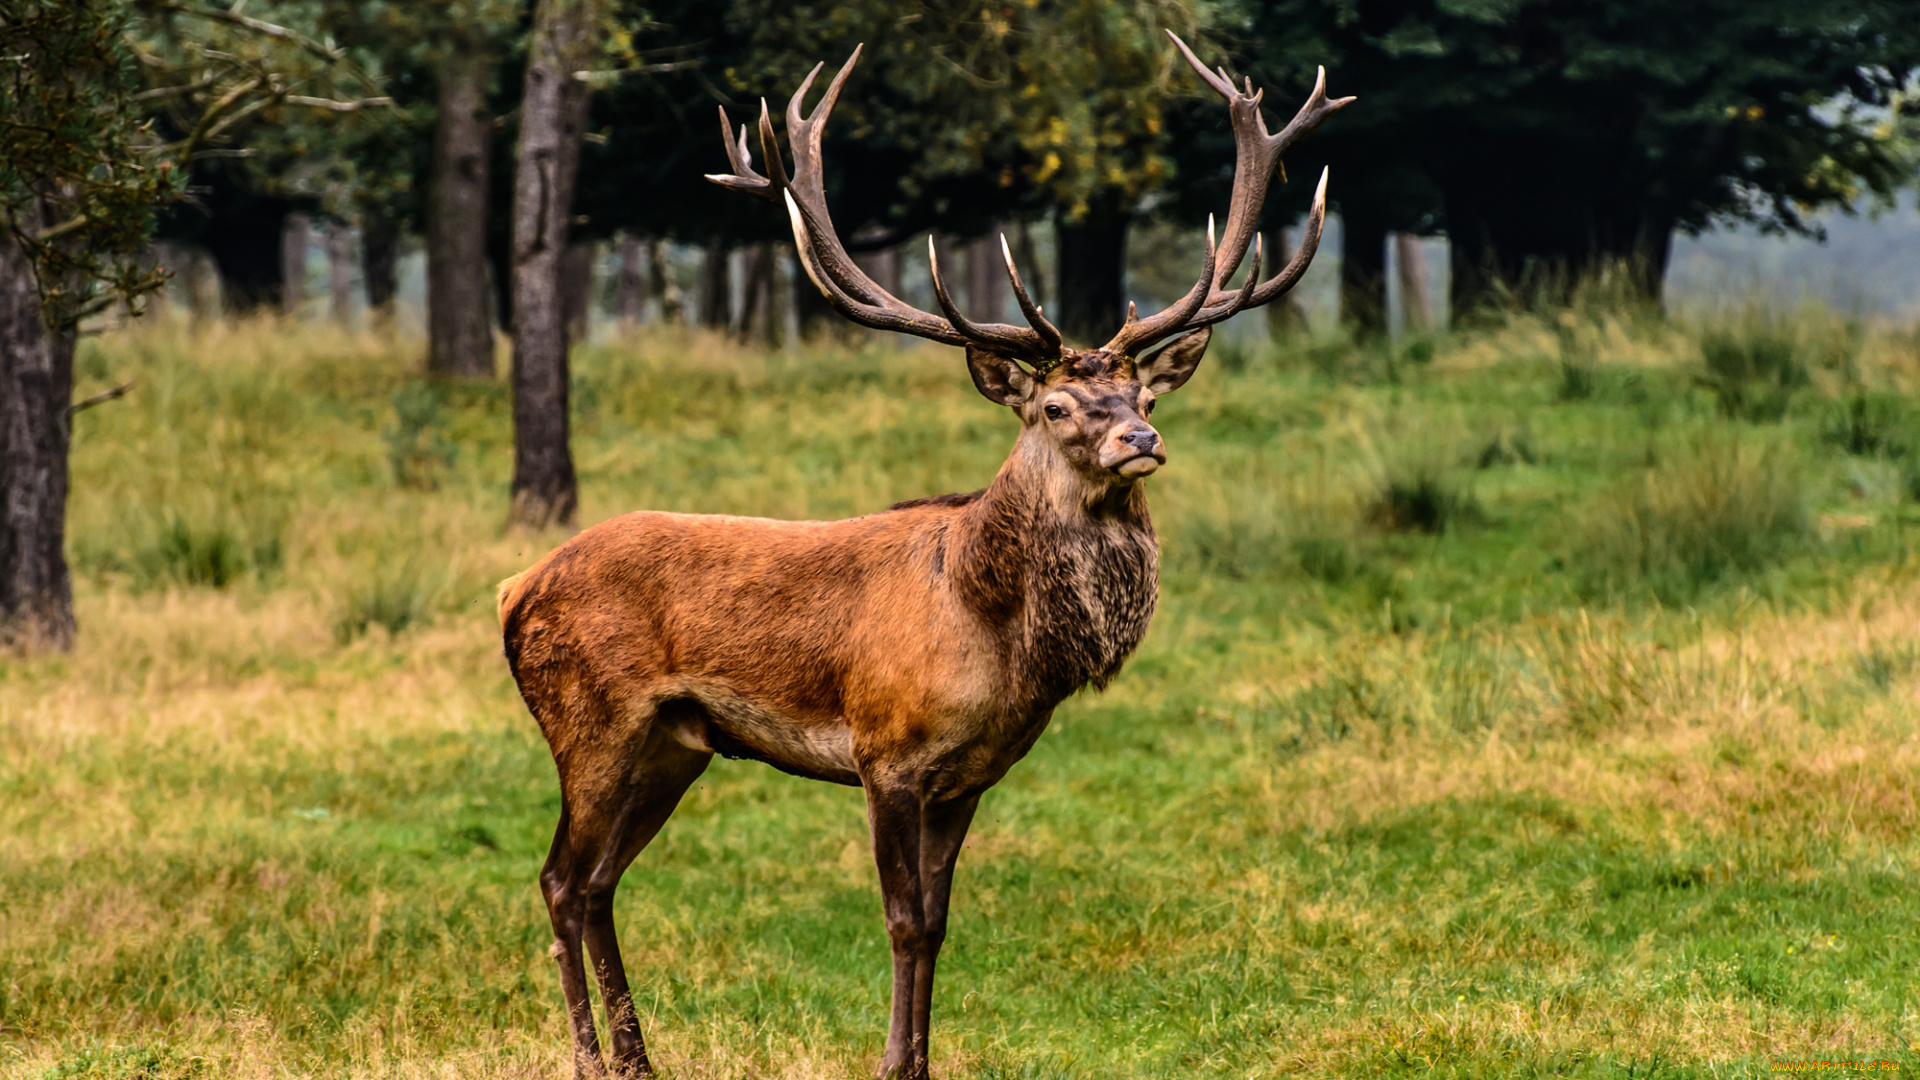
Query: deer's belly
{"x": 733, "y": 726}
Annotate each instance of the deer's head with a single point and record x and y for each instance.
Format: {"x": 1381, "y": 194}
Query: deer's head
{"x": 1092, "y": 406}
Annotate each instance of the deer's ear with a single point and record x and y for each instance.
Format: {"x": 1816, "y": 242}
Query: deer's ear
{"x": 1170, "y": 368}
{"x": 999, "y": 379}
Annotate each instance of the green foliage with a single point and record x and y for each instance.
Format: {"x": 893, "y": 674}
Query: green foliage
{"x": 78, "y": 183}
{"x": 1069, "y": 96}
{"x": 213, "y": 558}
{"x": 1553, "y": 139}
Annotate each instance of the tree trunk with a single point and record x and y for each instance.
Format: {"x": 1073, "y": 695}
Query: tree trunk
{"x": 164, "y": 256}
{"x": 759, "y": 311}
{"x": 632, "y": 277}
{"x": 205, "y": 287}
{"x": 576, "y": 289}
{"x": 883, "y": 266}
{"x": 459, "y": 335}
{"x": 753, "y": 293}
{"x": 36, "y": 388}
{"x": 1363, "y": 272}
{"x": 716, "y": 286}
{"x": 244, "y": 239}
{"x": 663, "y": 284}
{"x": 553, "y": 113}
{"x": 1529, "y": 229}
{"x": 813, "y": 316}
{"x": 340, "y": 272}
{"x": 1285, "y": 317}
{"x": 952, "y": 273}
{"x": 294, "y": 239}
{"x": 1416, "y": 308}
{"x": 380, "y": 263}
{"x": 986, "y": 279}
{"x": 1093, "y": 253}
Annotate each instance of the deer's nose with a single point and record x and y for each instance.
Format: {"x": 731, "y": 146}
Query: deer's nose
{"x": 1142, "y": 439}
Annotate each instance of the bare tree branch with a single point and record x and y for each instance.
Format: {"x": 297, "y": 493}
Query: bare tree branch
{"x": 258, "y": 26}
{"x": 337, "y": 106}
{"x": 100, "y": 398}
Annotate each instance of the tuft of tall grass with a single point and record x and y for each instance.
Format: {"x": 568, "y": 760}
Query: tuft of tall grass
{"x": 1752, "y": 369}
{"x": 417, "y": 447}
{"x": 1755, "y": 361}
{"x": 1717, "y": 509}
{"x": 1420, "y": 502}
{"x": 395, "y": 596}
{"x": 1870, "y": 425}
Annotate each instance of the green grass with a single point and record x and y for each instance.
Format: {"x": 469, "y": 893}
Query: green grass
{"x": 1502, "y": 717}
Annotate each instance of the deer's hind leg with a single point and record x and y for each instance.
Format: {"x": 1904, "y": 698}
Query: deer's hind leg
{"x": 567, "y": 912}
{"x": 606, "y": 820}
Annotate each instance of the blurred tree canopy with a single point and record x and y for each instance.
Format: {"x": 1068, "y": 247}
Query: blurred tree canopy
{"x": 1549, "y": 137}
{"x": 960, "y": 115}
{"x": 1544, "y": 137}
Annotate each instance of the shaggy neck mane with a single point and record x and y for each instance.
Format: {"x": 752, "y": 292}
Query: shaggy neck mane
{"x": 1068, "y": 571}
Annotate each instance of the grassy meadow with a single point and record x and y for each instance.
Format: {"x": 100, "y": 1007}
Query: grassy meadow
{"x": 1540, "y": 701}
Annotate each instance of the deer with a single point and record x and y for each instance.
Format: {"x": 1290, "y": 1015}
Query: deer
{"x": 916, "y": 653}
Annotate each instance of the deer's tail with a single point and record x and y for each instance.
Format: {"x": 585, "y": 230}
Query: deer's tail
{"x": 509, "y": 594}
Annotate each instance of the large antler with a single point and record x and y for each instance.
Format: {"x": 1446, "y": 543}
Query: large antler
{"x": 1256, "y": 153}
{"x": 833, "y": 271}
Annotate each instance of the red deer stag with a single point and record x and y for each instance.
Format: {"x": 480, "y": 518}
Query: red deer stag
{"x": 917, "y": 652}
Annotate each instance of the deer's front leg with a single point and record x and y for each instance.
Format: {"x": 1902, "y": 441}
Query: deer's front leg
{"x": 893, "y": 815}
{"x": 915, "y": 845}
{"x": 943, "y": 827}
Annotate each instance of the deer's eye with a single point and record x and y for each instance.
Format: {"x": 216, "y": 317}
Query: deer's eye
{"x": 1149, "y": 409}
{"x": 1055, "y": 412}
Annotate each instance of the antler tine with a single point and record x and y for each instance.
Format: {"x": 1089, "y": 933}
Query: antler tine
{"x": 743, "y": 178}
{"x": 907, "y": 321}
{"x": 1049, "y": 334}
{"x": 1289, "y": 275}
{"x": 1253, "y": 278}
{"x": 995, "y": 336}
{"x": 1136, "y": 333}
{"x": 1256, "y": 155}
{"x": 804, "y": 134}
{"x": 769, "y": 148}
{"x": 825, "y": 258}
